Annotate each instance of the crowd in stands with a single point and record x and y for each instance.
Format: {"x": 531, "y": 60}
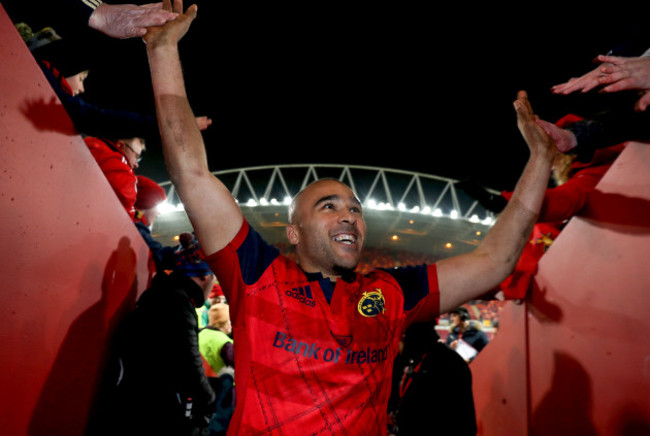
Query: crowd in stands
{"x": 185, "y": 310}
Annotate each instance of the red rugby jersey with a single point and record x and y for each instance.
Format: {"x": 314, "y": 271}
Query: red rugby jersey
{"x": 303, "y": 365}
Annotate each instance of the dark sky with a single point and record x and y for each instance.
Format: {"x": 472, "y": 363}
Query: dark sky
{"x": 399, "y": 86}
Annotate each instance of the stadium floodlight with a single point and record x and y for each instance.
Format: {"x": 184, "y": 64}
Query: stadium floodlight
{"x": 437, "y": 212}
{"x": 453, "y": 214}
{"x": 166, "y": 207}
{"x": 384, "y": 206}
{"x": 474, "y": 218}
{"x": 251, "y": 203}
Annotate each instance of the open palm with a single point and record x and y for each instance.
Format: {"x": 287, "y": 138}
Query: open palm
{"x": 172, "y": 31}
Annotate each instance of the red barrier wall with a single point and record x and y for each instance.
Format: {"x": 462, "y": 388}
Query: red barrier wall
{"x": 71, "y": 259}
{"x": 581, "y": 339}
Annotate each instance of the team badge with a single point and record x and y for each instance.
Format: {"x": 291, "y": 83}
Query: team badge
{"x": 372, "y": 303}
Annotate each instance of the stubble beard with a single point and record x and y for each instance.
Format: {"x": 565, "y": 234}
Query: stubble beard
{"x": 337, "y": 265}
{"x": 341, "y": 267}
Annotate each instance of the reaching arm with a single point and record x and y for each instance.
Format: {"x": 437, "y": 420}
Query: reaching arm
{"x": 613, "y": 74}
{"x": 584, "y": 83}
{"x": 462, "y": 278}
{"x": 213, "y": 212}
{"x": 125, "y": 20}
{"x": 627, "y": 73}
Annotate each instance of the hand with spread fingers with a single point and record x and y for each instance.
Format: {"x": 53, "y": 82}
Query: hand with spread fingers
{"x": 613, "y": 74}
{"x": 584, "y": 83}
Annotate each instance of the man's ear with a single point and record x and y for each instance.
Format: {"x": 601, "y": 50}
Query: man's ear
{"x": 292, "y": 234}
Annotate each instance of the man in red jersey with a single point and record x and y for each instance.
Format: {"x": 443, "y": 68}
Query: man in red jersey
{"x": 314, "y": 341}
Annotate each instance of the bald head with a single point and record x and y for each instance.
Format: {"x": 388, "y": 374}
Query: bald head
{"x": 294, "y": 206}
{"x": 327, "y": 227}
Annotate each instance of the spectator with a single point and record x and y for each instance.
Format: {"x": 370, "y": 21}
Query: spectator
{"x": 466, "y": 336}
{"x": 163, "y": 388}
{"x": 215, "y": 297}
{"x": 118, "y": 159}
{"x": 66, "y": 67}
{"x": 148, "y": 199}
{"x": 216, "y": 346}
{"x": 314, "y": 340}
{"x": 220, "y": 318}
{"x": 625, "y": 68}
{"x": 150, "y": 196}
{"x": 583, "y": 136}
{"x": 426, "y": 366}
{"x": 215, "y": 342}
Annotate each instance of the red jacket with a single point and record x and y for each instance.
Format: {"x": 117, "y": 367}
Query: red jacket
{"x": 560, "y": 204}
{"x": 117, "y": 170}
{"x": 564, "y": 201}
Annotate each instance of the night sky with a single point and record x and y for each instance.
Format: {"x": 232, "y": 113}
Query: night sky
{"x": 398, "y": 86}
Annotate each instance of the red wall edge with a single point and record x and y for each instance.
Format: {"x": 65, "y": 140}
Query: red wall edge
{"x": 72, "y": 260}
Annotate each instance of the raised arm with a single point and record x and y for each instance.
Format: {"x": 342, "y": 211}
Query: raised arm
{"x": 213, "y": 212}
{"x": 467, "y": 276}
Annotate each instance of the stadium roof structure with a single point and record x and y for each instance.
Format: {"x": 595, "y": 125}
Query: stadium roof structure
{"x": 404, "y": 211}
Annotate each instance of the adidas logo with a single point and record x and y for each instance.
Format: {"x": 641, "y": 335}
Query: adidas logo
{"x": 301, "y": 294}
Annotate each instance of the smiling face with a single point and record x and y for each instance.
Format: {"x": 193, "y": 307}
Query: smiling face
{"x": 327, "y": 228}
